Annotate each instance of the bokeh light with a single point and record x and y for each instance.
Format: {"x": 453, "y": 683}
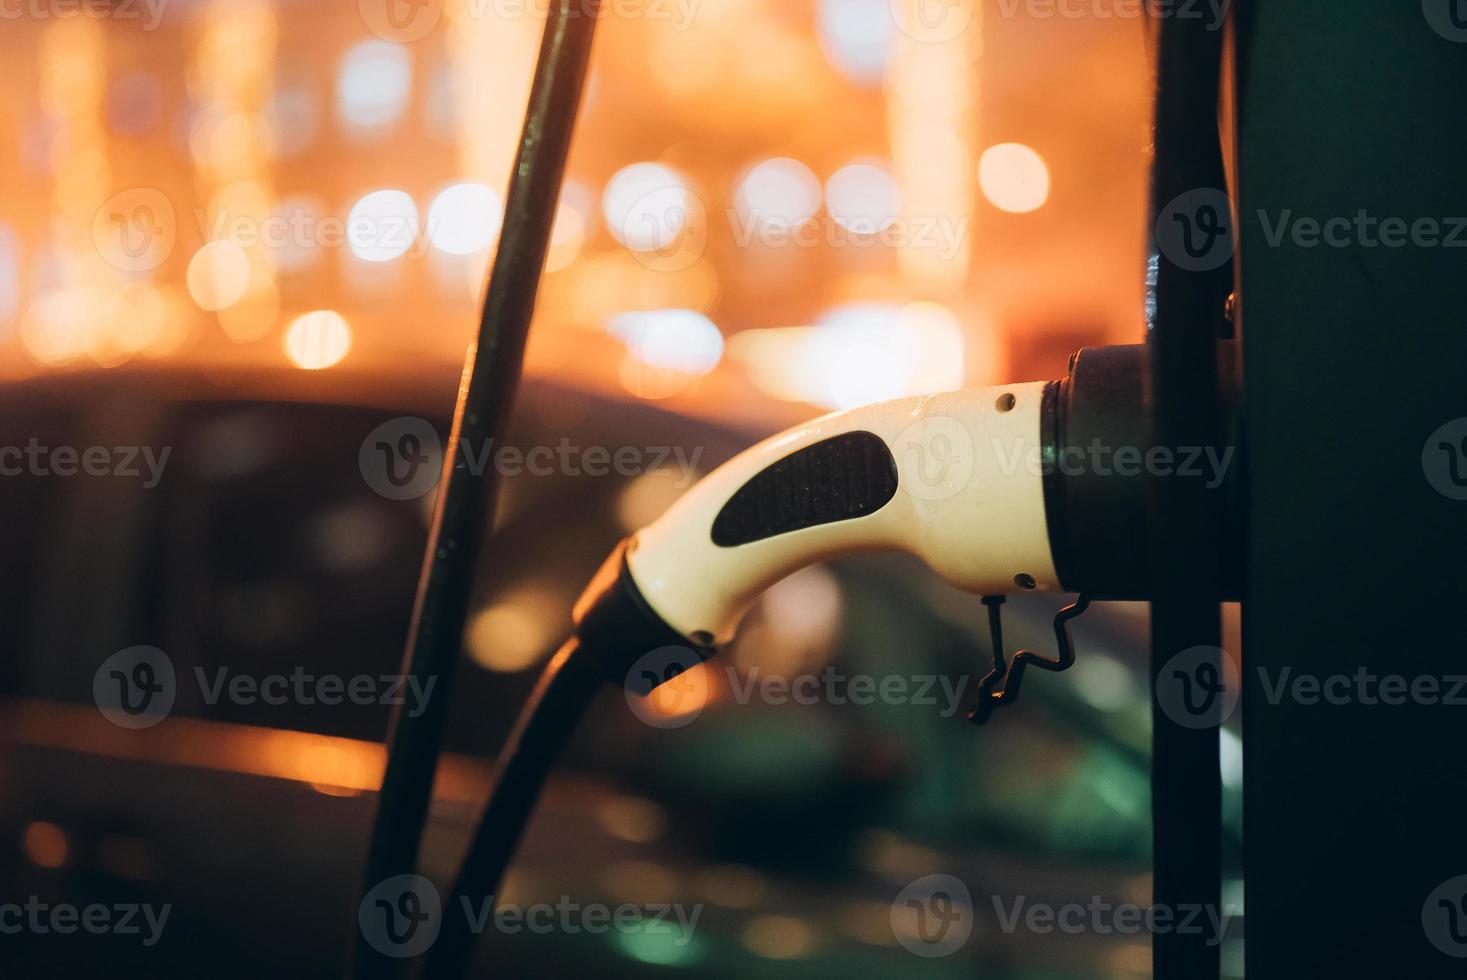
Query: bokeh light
{"x": 857, "y": 354}
{"x": 318, "y": 339}
{"x": 382, "y": 225}
{"x": 1014, "y": 178}
{"x": 465, "y": 218}
{"x": 514, "y": 633}
{"x": 373, "y": 84}
{"x": 45, "y": 844}
{"x": 677, "y": 340}
{"x": 646, "y": 206}
{"x": 218, "y": 275}
{"x": 934, "y": 336}
{"x": 59, "y": 324}
{"x": 858, "y": 36}
{"x": 777, "y": 194}
{"x": 863, "y": 198}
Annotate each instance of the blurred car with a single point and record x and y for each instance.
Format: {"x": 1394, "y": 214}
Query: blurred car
{"x": 268, "y": 546}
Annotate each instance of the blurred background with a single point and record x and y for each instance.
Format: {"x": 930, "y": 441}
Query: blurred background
{"x": 251, "y": 232}
{"x": 824, "y": 184}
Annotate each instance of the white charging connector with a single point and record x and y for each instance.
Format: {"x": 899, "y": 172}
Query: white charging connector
{"x": 955, "y": 479}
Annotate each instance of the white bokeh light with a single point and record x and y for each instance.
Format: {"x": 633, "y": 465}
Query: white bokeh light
{"x": 852, "y": 354}
{"x": 863, "y": 198}
{"x": 373, "y": 84}
{"x": 646, "y": 206}
{"x": 935, "y": 337}
{"x": 464, "y": 218}
{"x": 858, "y": 37}
{"x": 871, "y": 352}
{"x": 1014, "y": 177}
{"x": 676, "y": 340}
{"x": 778, "y": 194}
{"x": 382, "y": 225}
{"x": 861, "y": 373}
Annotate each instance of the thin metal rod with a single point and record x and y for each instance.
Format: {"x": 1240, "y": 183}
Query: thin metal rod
{"x": 1188, "y": 181}
{"x": 465, "y": 498}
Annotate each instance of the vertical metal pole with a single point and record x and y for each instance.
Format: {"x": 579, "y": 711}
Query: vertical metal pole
{"x": 466, "y": 499}
{"x": 1355, "y": 343}
{"x": 1193, "y": 279}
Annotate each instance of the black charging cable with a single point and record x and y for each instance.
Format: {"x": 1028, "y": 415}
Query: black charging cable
{"x": 466, "y": 499}
{"x": 561, "y": 696}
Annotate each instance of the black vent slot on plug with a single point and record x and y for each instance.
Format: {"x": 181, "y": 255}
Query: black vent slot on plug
{"x": 849, "y": 476}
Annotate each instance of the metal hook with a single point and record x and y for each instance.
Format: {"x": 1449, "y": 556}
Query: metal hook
{"x": 988, "y": 698}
